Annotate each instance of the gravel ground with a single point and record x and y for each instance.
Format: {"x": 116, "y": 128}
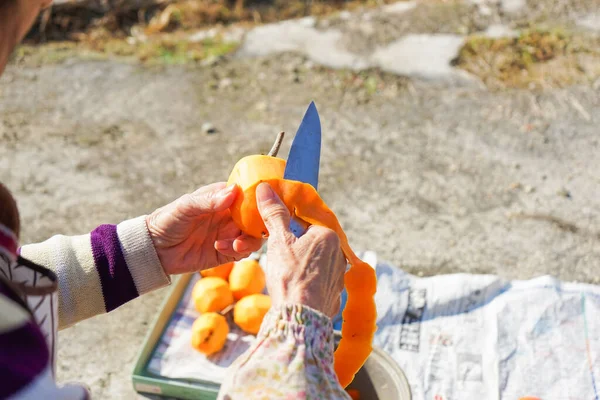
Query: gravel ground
{"x": 435, "y": 178}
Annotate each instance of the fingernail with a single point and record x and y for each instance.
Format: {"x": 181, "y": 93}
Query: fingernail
{"x": 225, "y": 191}
{"x": 241, "y": 247}
{"x": 219, "y": 245}
{"x": 264, "y": 192}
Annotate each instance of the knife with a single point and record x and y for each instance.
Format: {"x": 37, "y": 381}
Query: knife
{"x": 303, "y": 165}
{"x": 304, "y": 158}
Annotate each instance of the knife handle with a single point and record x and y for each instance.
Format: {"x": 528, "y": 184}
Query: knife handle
{"x": 298, "y": 227}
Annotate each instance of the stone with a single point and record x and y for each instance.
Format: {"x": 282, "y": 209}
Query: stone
{"x": 590, "y": 21}
{"x": 512, "y": 6}
{"x": 235, "y": 34}
{"x": 300, "y": 35}
{"x": 500, "y": 31}
{"x": 202, "y": 35}
{"x": 399, "y": 7}
{"x": 225, "y": 82}
{"x": 420, "y": 55}
{"x": 345, "y": 15}
{"x": 210, "y": 60}
{"x": 208, "y": 128}
{"x": 484, "y": 10}
{"x": 529, "y": 189}
{"x": 563, "y": 192}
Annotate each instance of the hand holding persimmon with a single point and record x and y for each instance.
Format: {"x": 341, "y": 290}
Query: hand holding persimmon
{"x": 308, "y": 270}
{"x": 196, "y": 231}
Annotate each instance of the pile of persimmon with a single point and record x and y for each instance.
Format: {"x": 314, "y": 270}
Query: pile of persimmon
{"x": 236, "y": 286}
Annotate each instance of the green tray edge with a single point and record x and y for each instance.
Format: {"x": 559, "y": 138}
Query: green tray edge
{"x": 143, "y": 382}
{"x": 181, "y": 389}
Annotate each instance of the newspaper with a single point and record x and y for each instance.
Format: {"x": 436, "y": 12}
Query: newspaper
{"x": 458, "y": 336}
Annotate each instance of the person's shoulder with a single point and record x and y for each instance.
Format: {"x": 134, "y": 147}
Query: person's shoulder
{"x": 13, "y": 310}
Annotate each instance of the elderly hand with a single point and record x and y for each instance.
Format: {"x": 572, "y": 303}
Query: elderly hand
{"x": 196, "y": 232}
{"x": 308, "y": 270}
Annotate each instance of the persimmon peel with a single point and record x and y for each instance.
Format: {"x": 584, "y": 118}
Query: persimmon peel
{"x": 303, "y": 201}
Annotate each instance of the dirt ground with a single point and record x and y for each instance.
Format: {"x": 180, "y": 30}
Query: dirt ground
{"x": 435, "y": 178}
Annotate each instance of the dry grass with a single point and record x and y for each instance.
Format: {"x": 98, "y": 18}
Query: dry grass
{"x": 535, "y": 59}
{"x": 186, "y": 15}
{"x": 162, "y": 49}
{"x": 160, "y": 35}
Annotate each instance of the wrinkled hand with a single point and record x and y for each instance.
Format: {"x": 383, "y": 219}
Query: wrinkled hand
{"x": 308, "y": 270}
{"x": 196, "y": 232}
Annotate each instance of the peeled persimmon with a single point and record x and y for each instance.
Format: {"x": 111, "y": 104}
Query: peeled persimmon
{"x": 248, "y": 173}
{"x": 303, "y": 201}
{"x": 247, "y": 277}
{"x": 209, "y": 333}
{"x": 221, "y": 271}
{"x": 249, "y": 312}
{"x": 211, "y": 294}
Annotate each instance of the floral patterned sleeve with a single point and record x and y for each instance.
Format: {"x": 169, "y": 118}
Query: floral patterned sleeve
{"x": 291, "y": 358}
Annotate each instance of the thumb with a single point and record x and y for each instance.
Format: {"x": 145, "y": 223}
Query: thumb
{"x": 272, "y": 210}
{"x": 208, "y": 199}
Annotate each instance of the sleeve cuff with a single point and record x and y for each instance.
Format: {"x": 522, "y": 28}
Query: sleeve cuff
{"x": 140, "y": 255}
{"x": 303, "y": 323}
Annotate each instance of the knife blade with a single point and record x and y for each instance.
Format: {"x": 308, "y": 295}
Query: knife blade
{"x": 304, "y": 158}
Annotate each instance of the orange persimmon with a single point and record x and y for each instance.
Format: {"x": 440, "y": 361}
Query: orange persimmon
{"x": 211, "y": 294}
{"x": 249, "y": 312}
{"x": 209, "y": 333}
{"x": 247, "y": 277}
{"x": 248, "y": 173}
{"x": 360, "y": 314}
{"x": 354, "y": 394}
{"x": 221, "y": 271}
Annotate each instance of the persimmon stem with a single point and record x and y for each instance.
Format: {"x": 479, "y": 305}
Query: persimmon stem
{"x": 226, "y": 310}
{"x": 275, "y": 149}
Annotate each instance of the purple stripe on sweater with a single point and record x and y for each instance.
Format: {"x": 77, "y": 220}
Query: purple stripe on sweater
{"x": 23, "y": 357}
{"x": 117, "y": 283}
